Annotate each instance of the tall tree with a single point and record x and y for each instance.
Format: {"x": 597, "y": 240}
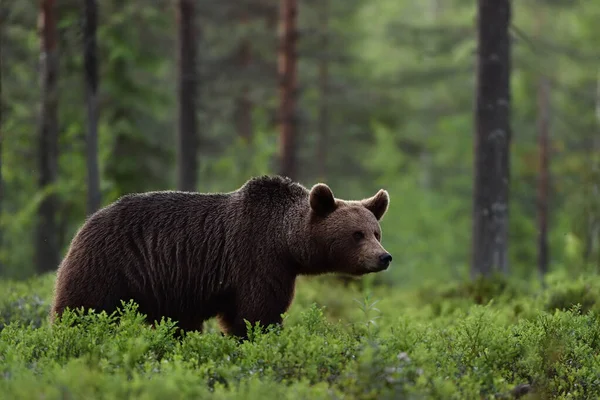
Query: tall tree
{"x": 187, "y": 146}
{"x": 91, "y": 83}
{"x": 433, "y": 10}
{"x": 598, "y": 97}
{"x": 243, "y": 112}
{"x": 492, "y": 139}
{"x": 543, "y": 128}
{"x": 287, "y": 88}
{"x": 47, "y": 251}
{"x": 323, "y": 123}
{"x": 2, "y": 22}
{"x": 133, "y": 73}
{"x": 544, "y": 173}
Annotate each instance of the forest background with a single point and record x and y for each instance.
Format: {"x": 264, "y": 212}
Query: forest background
{"x": 383, "y": 95}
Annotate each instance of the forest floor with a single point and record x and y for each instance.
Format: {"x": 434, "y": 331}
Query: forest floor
{"x": 499, "y": 339}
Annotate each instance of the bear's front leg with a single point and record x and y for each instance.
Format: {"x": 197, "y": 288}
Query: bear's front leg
{"x": 262, "y": 306}
{"x": 234, "y": 324}
{"x": 189, "y": 325}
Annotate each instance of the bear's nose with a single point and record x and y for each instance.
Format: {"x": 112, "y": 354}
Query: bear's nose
{"x": 385, "y": 259}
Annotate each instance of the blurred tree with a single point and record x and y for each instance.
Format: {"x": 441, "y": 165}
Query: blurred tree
{"x": 187, "y": 146}
{"x": 323, "y": 118}
{"x": 287, "y": 88}
{"x": 399, "y": 106}
{"x": 544, "y": 174}
{"x": 334, "y": 95}
{"x": 3, "y": 15}
{"x": 91, "y": 80}
{"x": 492, "y": 139}
{"x": 543, "y": 128}
{"x": 139, "y": 106}
{"x": 47, "y": 251}
{"x": 243, "y": 112}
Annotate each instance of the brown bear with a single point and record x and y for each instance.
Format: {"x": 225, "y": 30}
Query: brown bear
{"x": 234, "y": 256}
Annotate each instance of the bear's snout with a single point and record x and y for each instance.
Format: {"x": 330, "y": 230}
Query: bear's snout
{"x": 385, "y": 260}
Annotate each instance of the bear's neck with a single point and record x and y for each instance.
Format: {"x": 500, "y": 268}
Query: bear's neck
{"x": 309, "y": 258}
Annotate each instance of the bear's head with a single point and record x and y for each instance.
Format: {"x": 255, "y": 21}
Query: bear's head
{"x": 347, "y": 234}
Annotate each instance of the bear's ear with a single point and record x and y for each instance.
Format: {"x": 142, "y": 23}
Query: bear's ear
{"x": 377, "y": 204}
{"x": 321, "y": 199}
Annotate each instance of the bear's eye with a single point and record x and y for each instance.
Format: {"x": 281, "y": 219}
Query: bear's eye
{"x": 358, "y": 235}
{"x": 377, "y": 235}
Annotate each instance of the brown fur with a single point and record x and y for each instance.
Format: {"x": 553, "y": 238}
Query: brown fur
{"x": 236, "y": 256}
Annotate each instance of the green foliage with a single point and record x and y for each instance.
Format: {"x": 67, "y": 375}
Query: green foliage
{"x": 399, "y": 116}
{"x": 26, "y": 301}
{"x": 241, "y": 160}
{"x": 483, "y": 348}
{"x": 581, "y": 292}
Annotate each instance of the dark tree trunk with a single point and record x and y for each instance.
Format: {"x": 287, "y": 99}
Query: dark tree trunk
{"x": 47, "y": 251}
{"x": 187, "y": 146}
{"x": 323, "y": 129}
{"x": 492, "y": 140}
{"x": 287, "y": 88}
{"x": 243, "y": 112}
{"x": 544, "y": 174}
{"x": 2, "y": 22}
{"x": 91, "y": 83}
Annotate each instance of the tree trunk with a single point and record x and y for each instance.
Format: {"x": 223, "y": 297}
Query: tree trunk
{"x": 544, "y": 174}
{"x": 187, "y": 147}
{"x": 47, "y": 251}
{"x": 2, "y": 22}
{"x": 598, "y": 98}
{"x": 591, "y": 238}
{"x": 287, "y": 88}
{"x": 91, "y": 81}
{"x": 492, "y": 140}
{"x": 543, "y": 127}
{"x": 324, "y": 94}
{"x": 243, "y": 113}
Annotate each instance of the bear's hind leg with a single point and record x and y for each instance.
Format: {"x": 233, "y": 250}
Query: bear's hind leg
{"x": 99, "y": 295}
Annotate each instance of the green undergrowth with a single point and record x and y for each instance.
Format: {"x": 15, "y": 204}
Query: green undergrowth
{"x": 481, "y": 339}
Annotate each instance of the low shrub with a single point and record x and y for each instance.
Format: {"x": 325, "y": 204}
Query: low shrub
{"x": 493, "y": 341}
